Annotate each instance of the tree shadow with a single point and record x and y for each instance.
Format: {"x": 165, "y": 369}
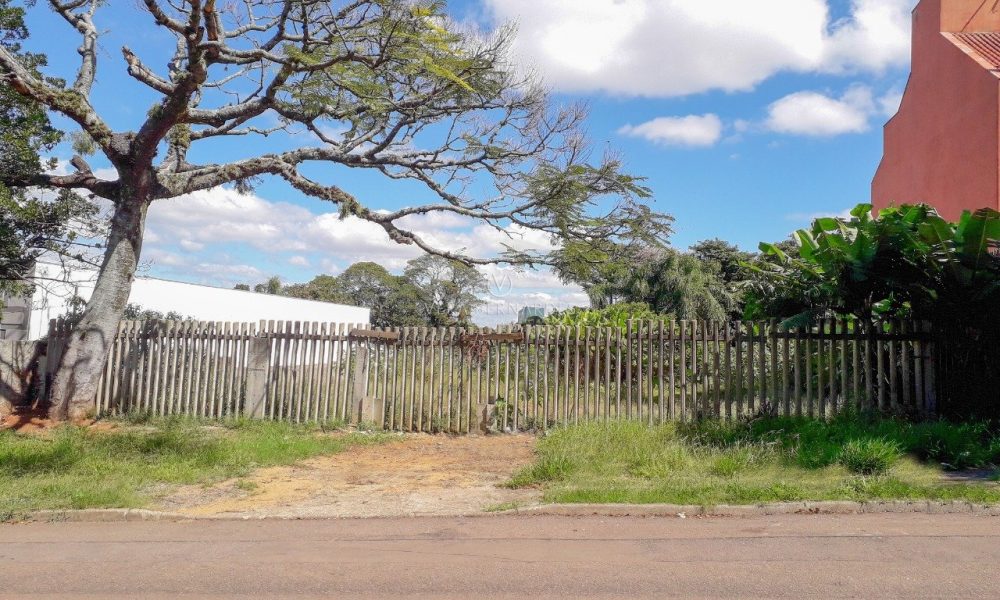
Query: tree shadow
{"x": 20, "y": 377}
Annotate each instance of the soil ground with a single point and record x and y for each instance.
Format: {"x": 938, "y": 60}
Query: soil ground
{"x": 416, "y": 475}
{"x": 28, "y": 420}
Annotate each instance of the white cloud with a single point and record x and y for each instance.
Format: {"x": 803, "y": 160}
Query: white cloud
{"x": 692, "y": 130}
{"x": 191, "y": 246}
{"x": 807, "y": 218}
{"x": 223, "y": 272}
{"x": 225, "y": 215}
{"x": 680, "y": 47}
{"x": 227, "y": 273}
{"x": 815, "y": 114}
{"x": 889, "y": 103}
{"x": 191, "y": 238}
{"x": 875, "y": 36}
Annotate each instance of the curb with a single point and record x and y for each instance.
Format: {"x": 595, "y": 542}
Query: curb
{"x": 778, "y": 508}
{"x": 120, "y": 515}
{"x": 104, "y": 515}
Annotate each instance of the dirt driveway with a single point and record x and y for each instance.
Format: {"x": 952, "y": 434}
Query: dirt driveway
{"x": 417, "y": 475}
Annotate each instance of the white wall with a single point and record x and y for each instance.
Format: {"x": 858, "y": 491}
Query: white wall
{"x": 201, "y": 302}
{"x": 55, "y": 286}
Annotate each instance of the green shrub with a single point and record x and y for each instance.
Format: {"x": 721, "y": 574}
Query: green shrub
{"x": 870, "y": 456}
{"x": 956, "y": 446}
{"x": 815, "y": 444}
{"x": 616, "y": 315}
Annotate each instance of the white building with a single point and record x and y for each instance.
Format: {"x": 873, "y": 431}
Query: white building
{"x": 28, "y": 318}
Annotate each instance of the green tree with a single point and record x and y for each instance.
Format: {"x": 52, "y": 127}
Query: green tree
{"x": 907, "y": 262}
{"x": 447, "y": 291}
{"x": 665, "y": 280}
{"x": 680, "y": 284}
{"x": 383, "y": 73}
{"x": 731, "y": 261}
{"x": 392, "y": 299}
{"x": 41, "y": 219}
{"x": 136, "y": 312}
{"x": 272, "y": 286}
{"x": 604, "y": 266}
{"x": 322, "y": 288}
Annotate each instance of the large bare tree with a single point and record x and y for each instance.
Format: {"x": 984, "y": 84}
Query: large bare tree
{"x": 392, "y": 86}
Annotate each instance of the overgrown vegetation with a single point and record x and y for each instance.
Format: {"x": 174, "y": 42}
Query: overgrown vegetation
{"x": 74, "y": 467}
{"x": 908, "y": 262}
{"x": 763, "y": 460}
{"x": 615, "y": 315}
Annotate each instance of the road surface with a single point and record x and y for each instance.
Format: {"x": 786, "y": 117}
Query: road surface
{"x": 795, "y": 556}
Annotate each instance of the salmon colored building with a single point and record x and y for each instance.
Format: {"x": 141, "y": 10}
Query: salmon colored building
{"x": 943, "y": 146}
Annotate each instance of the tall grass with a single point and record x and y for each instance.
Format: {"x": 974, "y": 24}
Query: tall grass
{"x": 768, "y": 459}
{"x": 74, "y": 467}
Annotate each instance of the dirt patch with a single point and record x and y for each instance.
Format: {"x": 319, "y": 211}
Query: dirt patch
{"x": 37, "y": 421}
{"x": 417, "y": 475}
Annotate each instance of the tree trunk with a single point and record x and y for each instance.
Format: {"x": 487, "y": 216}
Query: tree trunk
{"x": 75, "y": 384}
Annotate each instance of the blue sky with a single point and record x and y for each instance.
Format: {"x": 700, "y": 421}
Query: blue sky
{"x": 746, "y": 118}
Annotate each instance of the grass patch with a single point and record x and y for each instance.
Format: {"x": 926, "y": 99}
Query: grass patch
{"x": 246, "y": 485}
{"x": 72, "y": 467}
{"x": 870, "y": 456}
{"x": 503, "y": 506}
{"x": 764, "y": 460}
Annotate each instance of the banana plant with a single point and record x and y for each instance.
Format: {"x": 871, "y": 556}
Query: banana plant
{"x": 907, "y": 261}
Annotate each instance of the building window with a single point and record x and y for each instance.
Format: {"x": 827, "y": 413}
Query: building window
{"x": 3, "y": 334}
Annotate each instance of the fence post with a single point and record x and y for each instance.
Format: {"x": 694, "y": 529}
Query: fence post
{"x": 258, "y": 359}
{"x": 364, "y": 408}
{"x": 931, "y": 366}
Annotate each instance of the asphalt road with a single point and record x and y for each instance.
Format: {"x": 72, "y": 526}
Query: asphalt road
{"x": 867, "y": 556}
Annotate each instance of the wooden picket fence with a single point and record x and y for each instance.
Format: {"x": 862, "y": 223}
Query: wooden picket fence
{"x": 207, "y": 369}
{"x": 538, "y": 376}
{"x": 514, "y": 378}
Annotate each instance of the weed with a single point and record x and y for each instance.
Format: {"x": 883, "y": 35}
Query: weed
{"x": 764, "y": 459}
{"x": 368, "y": 426}
{"x": 76, "y": 467}
{"x": 246, "y": 485}
{"x": 437, "y": 424}
{"x": 138, "y": 417}
{"x": 736, "y": 460}
{"x": 551, "y": 468}
{"x": 869, "y": 457}
{"x": 503, "y": 506}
